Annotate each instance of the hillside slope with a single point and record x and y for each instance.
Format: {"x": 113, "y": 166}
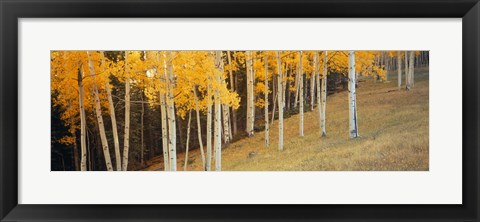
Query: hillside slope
{"x": 393, "y": 126}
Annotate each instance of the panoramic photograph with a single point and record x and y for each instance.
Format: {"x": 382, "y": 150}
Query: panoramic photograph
{"x": 239, "y": 110}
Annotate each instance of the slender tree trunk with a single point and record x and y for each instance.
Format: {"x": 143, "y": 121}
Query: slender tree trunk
{"x": 312, "y": 91}
{"x": 232, "y": 88}
{"x": 209, "y": 125}
{"x": 407, "y": 72}
{"x": 172, "y": 130}
{"x": 226, "y": 123}
{"x": 324, "y": 94}
{"x": 83, "y": 124}
{"x": 275, "y": 96}
{"x": 316, "y": 69}
{"x": 98, "y": 111}
{"x": 199, "y": 129}
{"x": 126, "y": 137}
{"x": 163, "y": 111}
{"x": 188, "y": 140}
{"x": 280, "y": 102}
{"x": 250, "y": 96}
{"x": 297, "y": 88}
{"x": 352, "y": 98}
{"x": 218, "y": 111}
{"x": 399, "y": 69}
{"x": 300, "y": 80}
{"x": 118, "y": 158}
{"x": 412, "y": 68}
{"x": 267, "y": 142}
{"x": 142, "y": 143}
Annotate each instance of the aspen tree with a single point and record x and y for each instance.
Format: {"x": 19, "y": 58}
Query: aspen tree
{"x": 280, "y": 102}
{"x": 300, "y": 80}
{"x": 188, "y": 140}
{"x": 172, "y": 130}
{"x": 324, "y": 94}
{"x": 199, "y": 129}
{"x": 98, "y": 111}
{"x": 266, "y": 101}
{"x": 399, "y": 69}
{"x": 317, "y": 78}
{"x": 352, "y": 100}
{"x": 83, "y": 123}
{"x": 163, "y": 113}
{"x": 218, "y": 126}
{"x": 412, "y": 69}
{"x": 209, "y": 124}
{"x": 250, "y": 95}
{"x": 407, "y": 72}
{"x": 118, "y": 158}
{"x": 126, "y": 135}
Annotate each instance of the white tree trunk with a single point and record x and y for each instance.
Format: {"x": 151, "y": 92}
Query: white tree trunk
{"x": 83, "y": 143}
{"x": 209, "y": 125}
{"x": 118, "y": 158}
{"x": 407, "y": 72}
{"x": 188, "y": 140}
{"x": 267, "y": 142}
{"x": 300, "y": 80}
{"x": 98, "y": 111}
{"x": 280, "y": 102}
{"x": 172, "y": 130}
{"x": 324, "y": 94}
{"x": 399, "y": 69}
{"x": 163, "y": 111}
{"x": 316, "y": 75}
{"x": 126, "y": 136}
{"x": 352, "y": 98}
{"x": 250, "y": 95}
{"x": 199, "y": 129}
{"x": 412, "y": 68}
{"x": 312, "y": 91}
{"x": 226, "y": 123}
{"x": 218, "y": 116}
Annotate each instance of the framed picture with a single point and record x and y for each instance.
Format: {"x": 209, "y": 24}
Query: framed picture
{"x": 226, "y": 110}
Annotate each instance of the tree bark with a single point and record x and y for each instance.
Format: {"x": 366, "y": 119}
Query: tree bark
{"x": 83, "y": 143}
{"x": 267, "y": 142}
{"x": 316, "y": 75}
{"x": 142, "y": 142}
{"x": 324, "y": 94}
{"x": 98, "y": 111}
{"x": 250, "y": 96}
{"x": 188, "y": 140}
{"x": 172, "y": 130}
{"x": 163, "y": 113}
{"x": 352, "y": 98}
{"x": 126, "y": 137}
{"x": 312, "y": 91}
{"x": 218, "y": 111}
{"x": 407, "y": 72}
{"x": 412, "y": 69}
{"x": 300, "y": 80}
{"x": 209, "y": 125}
{"x": 199, "y": 129}
{"x": 280, "y": 102}
{"x": 118, "y": 158}
{"x": 399, "y": 69}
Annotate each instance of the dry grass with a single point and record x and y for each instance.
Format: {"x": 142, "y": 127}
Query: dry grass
{"x": 393, "y": 126}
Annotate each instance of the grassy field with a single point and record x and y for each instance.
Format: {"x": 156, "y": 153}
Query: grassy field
{"x": 393, "y": 128}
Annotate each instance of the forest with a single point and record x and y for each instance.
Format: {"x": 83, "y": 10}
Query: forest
{"x": 239, "y": 110}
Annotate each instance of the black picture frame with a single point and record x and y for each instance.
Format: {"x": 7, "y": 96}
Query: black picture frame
{"x": 11, "y": 11}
